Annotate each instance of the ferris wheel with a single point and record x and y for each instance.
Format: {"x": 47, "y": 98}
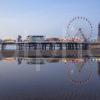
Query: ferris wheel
{"x": 80, "y": 29}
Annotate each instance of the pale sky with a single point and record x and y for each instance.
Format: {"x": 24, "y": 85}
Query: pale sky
{"x": 45, "y": 17}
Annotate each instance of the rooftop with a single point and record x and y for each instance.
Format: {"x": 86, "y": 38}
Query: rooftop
{"x": 35, "y": 36}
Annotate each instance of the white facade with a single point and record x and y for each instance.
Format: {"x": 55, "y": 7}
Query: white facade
{"x": 35, "y": 38}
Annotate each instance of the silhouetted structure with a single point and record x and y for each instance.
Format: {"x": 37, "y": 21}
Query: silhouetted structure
{"x": 99, "y": 32}
{"x": 99, "y": 68}
{"x": 19, "y": 39}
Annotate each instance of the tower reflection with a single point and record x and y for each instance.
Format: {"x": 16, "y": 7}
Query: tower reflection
{"x": 99, "y": 68}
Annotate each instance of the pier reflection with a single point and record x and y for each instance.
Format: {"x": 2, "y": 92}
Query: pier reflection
{"x": 65, "y": 73}
{"x": 76, "y": 65}
{"x": 49, "y": 56}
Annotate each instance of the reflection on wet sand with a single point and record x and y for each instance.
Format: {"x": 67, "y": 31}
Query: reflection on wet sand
{"x": 7, "y": 54}
{"x": 68, "y": 80}
{"x": 42, "y": 57}
{"x": 9, "y": 59}
{"x": 98, "y": 67}
{"x": 76, "y": 72}
{"x": 52, "y": 53}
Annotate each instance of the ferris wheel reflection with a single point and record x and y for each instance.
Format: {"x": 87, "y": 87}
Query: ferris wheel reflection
{"x": 79, "y": 71}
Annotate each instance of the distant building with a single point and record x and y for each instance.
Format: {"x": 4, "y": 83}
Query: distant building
{"x": 99, "y": 32}
{"x": 9, "y": 40}
{"x": 37, "y": 38}
{"x": 53, "y": 39}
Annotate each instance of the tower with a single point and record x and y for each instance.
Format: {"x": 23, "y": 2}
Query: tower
{"x": 98, "y": 33}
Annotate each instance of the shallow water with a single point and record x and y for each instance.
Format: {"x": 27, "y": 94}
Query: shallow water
{"x": 24, "y": 78}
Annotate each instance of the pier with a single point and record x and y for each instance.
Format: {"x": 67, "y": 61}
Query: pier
{"x": 46, "y": 45}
